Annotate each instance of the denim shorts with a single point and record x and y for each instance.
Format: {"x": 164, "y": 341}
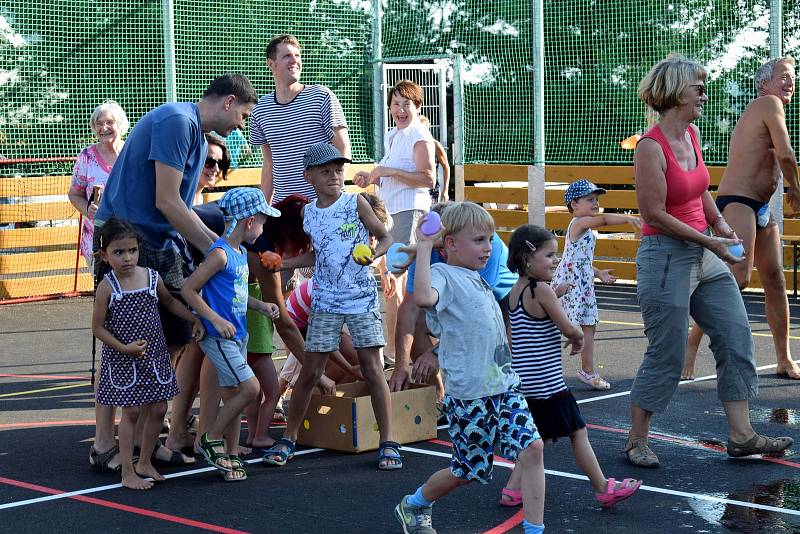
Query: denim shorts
{"x": 325, "y": 330}
{"x": 477, "y": 426}
{"x": 229, "y": 357}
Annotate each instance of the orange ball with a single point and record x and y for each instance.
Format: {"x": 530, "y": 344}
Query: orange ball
{"x": 271, "y": 261}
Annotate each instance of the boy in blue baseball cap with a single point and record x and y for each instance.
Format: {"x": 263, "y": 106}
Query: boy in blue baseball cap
{"x": 223, "y": 306}
{"x": 575, "y": 274}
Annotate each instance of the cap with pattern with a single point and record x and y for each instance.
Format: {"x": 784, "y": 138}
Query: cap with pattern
{"x": 322, "y": 153}
{"x": 242, "y": 202}
{"x": 581, "y": 188}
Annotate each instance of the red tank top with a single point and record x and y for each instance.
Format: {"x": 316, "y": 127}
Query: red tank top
{"x": 684, "y": 188}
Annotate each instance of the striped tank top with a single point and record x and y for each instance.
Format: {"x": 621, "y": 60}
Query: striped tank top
{"x": 535, "y": 351}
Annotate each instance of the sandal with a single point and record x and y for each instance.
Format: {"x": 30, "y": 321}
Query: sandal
{"x": 206, "y": 448}
{"x": 616, "y": 493}
{"x": 279, "y": 417}
{"x": 759, "y": 445}
{"x": 192, "y": 423}
{"x": 594, "y": 380}
{"x": 98, "y": 461}
{"x": 640, "y": 454}
{"x": 281, "y": 452}
{"x": 238, "y": 474}
{"x": 389, "y": 457}
{"x": 510, "y": 498}
{"x": 176, "y": 458}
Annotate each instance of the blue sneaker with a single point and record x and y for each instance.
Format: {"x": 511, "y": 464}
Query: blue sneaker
{"x": 415, "y": 519}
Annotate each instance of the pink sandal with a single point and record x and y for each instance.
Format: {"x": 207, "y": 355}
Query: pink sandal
{"x": 615, "y": 494}
{"x": 514, "y": 497}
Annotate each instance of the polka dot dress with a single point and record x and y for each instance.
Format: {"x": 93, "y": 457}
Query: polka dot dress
{"x": 126, "y": 380}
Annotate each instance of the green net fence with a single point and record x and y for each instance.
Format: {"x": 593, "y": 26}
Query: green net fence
{"x": 61, "y": 58}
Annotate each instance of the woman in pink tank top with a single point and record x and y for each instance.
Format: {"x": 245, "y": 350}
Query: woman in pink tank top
{"x": 679, "y": 267}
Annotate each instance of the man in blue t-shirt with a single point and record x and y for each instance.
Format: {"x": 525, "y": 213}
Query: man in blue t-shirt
{"x": 154, "y": 179}
{"x": 411, "y": 339}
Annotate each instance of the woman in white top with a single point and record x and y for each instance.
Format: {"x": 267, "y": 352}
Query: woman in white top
{"x": 404, "y": 177}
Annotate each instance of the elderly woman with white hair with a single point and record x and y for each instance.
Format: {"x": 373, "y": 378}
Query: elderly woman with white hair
{"x": 93, "y": 165}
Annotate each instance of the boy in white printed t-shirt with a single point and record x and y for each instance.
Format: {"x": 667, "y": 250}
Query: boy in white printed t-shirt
{"x": 481, "y": 403}
{"x": 345, "y": 292}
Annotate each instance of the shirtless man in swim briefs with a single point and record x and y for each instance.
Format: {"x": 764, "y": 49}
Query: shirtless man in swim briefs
{"x": 759, "y": 149}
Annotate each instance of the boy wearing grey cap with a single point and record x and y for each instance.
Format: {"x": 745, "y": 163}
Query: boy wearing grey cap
{"x": 575, "y": 274}
{"x": 345, "y": 292}
{"x": 223, "y": 306}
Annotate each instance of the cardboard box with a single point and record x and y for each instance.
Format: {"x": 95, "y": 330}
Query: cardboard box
{"x": 346, "y": 422}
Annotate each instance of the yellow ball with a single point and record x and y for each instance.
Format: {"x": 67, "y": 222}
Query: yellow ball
{"x": 362, "y": 253}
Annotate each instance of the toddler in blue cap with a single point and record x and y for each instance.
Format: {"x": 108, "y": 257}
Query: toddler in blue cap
{"x": 575, "y": 274}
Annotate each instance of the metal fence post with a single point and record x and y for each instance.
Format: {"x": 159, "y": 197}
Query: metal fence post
{"x": 168, "y": 27}
{"x": 536, "y": 200}
{"x": 458, "y": 125}
{"x": 378, "y": 107}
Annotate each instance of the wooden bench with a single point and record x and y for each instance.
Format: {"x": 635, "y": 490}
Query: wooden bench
{"x": 42, "y": 261}
{"x": 616, "y": 245}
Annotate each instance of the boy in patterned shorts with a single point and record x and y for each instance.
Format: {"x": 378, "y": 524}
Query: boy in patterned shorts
{"x": 481, "y": 403}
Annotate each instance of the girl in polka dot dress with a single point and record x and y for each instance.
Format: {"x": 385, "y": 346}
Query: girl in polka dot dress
{"x": 135, "y": 373}
{"x": 578, "y": 273}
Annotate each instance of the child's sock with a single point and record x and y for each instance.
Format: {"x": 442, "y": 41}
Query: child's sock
{"x": 530, "y": 528}
{"x": 417, "y": 500}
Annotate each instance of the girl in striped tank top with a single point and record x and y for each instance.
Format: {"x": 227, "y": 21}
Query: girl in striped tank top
{"x": 537, "y": 322}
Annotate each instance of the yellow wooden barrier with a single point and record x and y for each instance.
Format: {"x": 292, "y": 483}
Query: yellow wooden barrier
{"x": 45, "y": 250}
{"x": 492, "y": 184}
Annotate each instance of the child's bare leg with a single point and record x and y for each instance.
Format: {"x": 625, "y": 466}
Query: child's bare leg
{"x": 153, "y": 415}
{"x": 441, "y": 484}
{"x": 587, "y": 354}
{"x": 251, "y": 414}
{"x": 267, "y": 376}
{"x": 234, "y": 401}
{"x": 372, "y": 371}
{"x": 187, "y": 374}
{"x": 587, "y": 461}
{"x": 531, "y": 463}
{"x": 310, "y": 373}
{"x": 692, "y": 346}
{"x": 209, "y": 399}
{"x": 127, "y": 426}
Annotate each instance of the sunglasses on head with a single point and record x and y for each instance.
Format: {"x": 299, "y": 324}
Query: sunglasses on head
{"x": 210, "y": 162}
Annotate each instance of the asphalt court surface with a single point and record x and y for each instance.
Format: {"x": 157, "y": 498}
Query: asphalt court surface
{"x": 46, "y": 427}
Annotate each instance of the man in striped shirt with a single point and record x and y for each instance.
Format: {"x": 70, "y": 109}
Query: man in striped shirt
{"x": 292, "y": 118}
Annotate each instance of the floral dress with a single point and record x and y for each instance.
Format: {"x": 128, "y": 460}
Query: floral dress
{"x": 90, "y": 170}
{"x": 126, "y": 380}
{"x": 575, "y": 268}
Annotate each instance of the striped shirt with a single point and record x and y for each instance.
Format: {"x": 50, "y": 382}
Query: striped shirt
{"x": 536, "y": 352}
{"x": 289, "y": 129}
{"x": 399, "y": 147}
{"x": 299, "y": 304}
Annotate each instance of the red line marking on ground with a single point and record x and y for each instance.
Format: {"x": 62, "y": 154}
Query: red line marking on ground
{"x": 64, "y": 377}
{"x": 508, "y": 524}
{"x": 35, "y": 424}
{"x": 123, "y": 507}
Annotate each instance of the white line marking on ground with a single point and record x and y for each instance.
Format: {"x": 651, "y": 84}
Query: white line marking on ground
{"x": 654, "y": 489}
{"x": 681, "y": 383}
{"x": 117, "y": 486}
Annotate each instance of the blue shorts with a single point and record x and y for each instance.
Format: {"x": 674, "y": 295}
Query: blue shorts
{"x": 477, "y": 426}
{"x": 229, "y": 357}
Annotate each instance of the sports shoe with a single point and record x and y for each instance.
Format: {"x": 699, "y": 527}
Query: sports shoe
{"x": 415, "y": 519}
